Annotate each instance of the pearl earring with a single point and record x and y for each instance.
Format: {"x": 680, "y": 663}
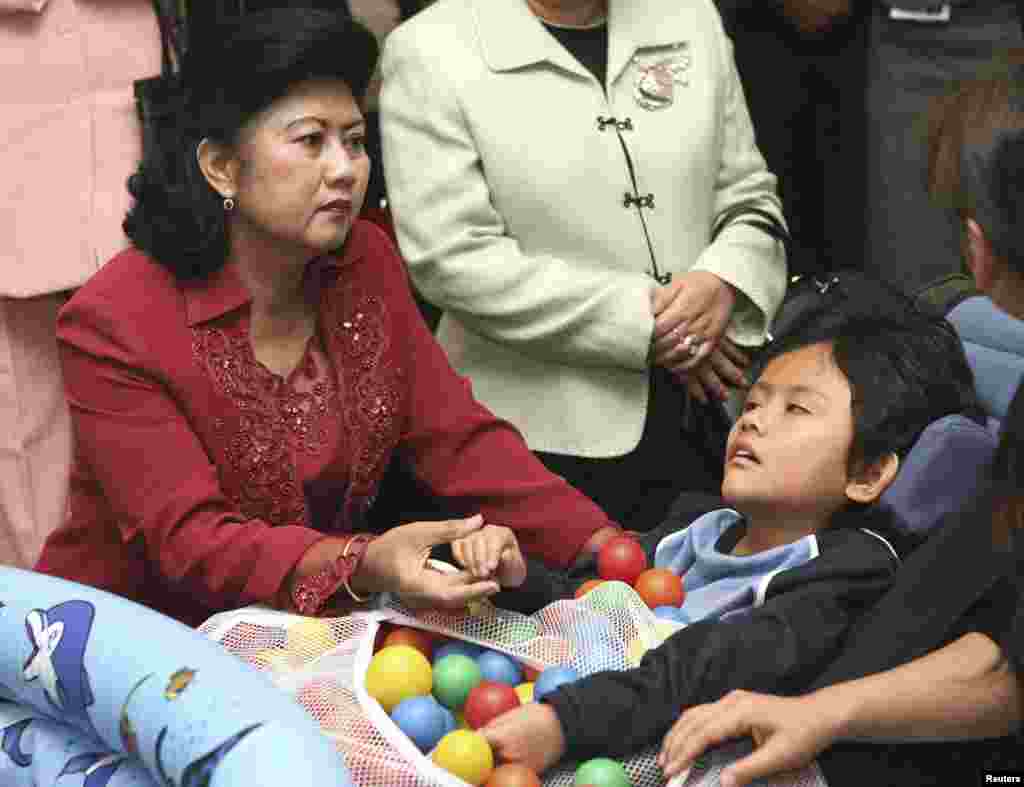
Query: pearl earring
{"x": 229, "y": 204}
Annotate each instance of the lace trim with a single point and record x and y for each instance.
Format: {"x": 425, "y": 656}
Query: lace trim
{"x": 274, "y": 418}
{"x": 359, "y": 333}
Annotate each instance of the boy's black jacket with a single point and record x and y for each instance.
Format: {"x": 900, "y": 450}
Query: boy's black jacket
{"x": 778, "y": 647}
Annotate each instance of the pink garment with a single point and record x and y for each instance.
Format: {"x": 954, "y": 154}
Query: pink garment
{"x": 69, "y": 138}
{"x": 10, "y": 6}
{"x": 35, "y": 429}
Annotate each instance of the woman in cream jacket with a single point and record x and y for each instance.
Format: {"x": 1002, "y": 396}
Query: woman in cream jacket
{"x": 576, "y": 183}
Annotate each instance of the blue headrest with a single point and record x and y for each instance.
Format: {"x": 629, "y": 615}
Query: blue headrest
{"x": 942, "y": 472}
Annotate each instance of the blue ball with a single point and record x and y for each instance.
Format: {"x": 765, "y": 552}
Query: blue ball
{"x": 670, "y": 613}
{"x": 423, "y": 720}
{"x": 551, "y": 678}
{"x": 450, "y": 724}
{"x": 499, "y": 668}
{"x": 460, "y": 648}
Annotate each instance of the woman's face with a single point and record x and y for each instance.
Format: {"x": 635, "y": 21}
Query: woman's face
{"x": 302, "y": 170}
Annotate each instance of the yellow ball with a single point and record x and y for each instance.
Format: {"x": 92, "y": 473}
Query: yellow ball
{"x": 465, "y": 754}
{"x": 310, "y": 637}
{"x": 396, "y": 673}
{"x": 276, "y": 660}
{"x": 525, "y": 692}
{"x": 636, "y": 651}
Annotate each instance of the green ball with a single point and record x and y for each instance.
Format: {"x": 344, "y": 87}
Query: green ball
{"x": 454, "y": 677}
{"x": 602, "y": 772}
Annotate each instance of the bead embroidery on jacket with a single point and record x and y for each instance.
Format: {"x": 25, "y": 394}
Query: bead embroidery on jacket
{"x": 360, "y": 334}
{"x": 274, "y": 417}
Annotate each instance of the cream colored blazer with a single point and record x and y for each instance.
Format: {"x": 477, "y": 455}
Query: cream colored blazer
{"x": 510, "y": 211}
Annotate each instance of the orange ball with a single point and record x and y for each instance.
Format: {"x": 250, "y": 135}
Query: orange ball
{"x": 513, "y": 775}
{"x": 413, "y": 638}
{"x": 659, "y": 587}
{"x": 587, "y": 586}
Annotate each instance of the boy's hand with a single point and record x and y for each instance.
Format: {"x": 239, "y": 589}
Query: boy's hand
{"x": 531, "y": 735}
{"x": 492, "y": 552}
{"x": 788, "y": 733}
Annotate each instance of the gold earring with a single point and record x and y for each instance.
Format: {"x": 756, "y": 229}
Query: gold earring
{"x": 229, "y": 204}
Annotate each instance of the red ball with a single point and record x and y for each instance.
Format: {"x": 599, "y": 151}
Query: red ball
{"x": 621, "y": 559}
{"x": 487, "y": 701}
{"x": 659, "y": 587}
{"x": 513, "y": 774}
{"x": 414, "y": 638}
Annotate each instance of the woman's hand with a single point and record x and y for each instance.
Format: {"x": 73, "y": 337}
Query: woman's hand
{"x": 397, "y": 562}
{"x": 788, "y": 733}
{"x": 723, "y": 369}
{"x": 690, "y": 316}
{"x": 531, "y": 735}
{"x": 492, "y": 553}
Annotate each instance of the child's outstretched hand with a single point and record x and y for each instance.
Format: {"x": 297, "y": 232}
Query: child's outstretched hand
{"x": 531, "y": 735}
{"x": 492, "y": 552}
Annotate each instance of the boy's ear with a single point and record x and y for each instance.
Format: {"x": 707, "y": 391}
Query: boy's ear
{"x": 979, "y": 256}
{"x": 868, "y": 483}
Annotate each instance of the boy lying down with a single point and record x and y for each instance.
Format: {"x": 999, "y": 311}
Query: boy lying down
{"x": 792, "y": 553}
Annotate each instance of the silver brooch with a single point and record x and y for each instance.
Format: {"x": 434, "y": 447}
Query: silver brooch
{"x": 656, "y": 75}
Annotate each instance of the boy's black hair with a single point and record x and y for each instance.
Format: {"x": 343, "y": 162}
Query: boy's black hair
{"x": 235, "y": 67}
{"x": 904, "y": 362}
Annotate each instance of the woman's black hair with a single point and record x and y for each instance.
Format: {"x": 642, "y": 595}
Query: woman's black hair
{"x": 904, "y": 363}
{"x": 235, "y": 67}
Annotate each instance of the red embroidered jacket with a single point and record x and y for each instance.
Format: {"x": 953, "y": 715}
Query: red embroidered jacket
{"x": 200, "y": 477}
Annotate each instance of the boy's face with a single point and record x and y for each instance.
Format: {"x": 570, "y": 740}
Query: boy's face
{"x": 788, "y": 452}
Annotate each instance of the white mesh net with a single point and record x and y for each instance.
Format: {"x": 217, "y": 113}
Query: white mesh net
{"x": 322, "y": 662}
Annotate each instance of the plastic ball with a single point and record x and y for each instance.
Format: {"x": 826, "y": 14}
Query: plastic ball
{"x": 635, "y": 652}
{"x": 621, "y": 559}
{"x": 659, "y": 587}
{"x": 275, "y": 660}
{"x": 465, "y": 754}
{"x": 670, "y": 613}
{"x": 454, "y": 677}
{"x": 450, "y": 723}
{"x": 525, "y": 692}
{"x": 413, "y": 638}
{"x": 513, "y": 774}
{"x": 602, "y": 772}
{"x": 586, "y": 587}
{"x": 397, "y": 673}
{"x": 423, "y": 720}
{"x": 499, "y": 668}
{"x": 487, "y": 701}
{"x": 319, "y": 698}
{"x": 311, "y": 636}
{"x": 467, "y": 649}
{"x": 551, "y": 678}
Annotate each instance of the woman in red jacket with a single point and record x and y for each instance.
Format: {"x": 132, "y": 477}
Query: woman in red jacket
{"x": 240, "y": 379}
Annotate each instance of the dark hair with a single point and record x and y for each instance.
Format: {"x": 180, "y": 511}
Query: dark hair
{"x": 904, "y": 362}
{"x": 976, "y": 153}
{"x": 235, "y": 67}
